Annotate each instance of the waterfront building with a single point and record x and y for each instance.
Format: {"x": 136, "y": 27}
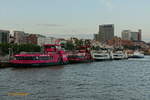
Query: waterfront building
{"x": 126, "y": 34}
{"x": 140, "y": 35}
{"x": 106, "y": 32}
{"x": 96, "y": 37}
{"x": 50, "y": 40}
{"x": 131, "y": 35}
{"x": 4, "y": 36}
{"x": 118, "y": 42}
{"x": 134, "y": 36}
{"x": 32, "y": 39}
{"x": 41, "y": 40}
{"x": 20, "y": 37}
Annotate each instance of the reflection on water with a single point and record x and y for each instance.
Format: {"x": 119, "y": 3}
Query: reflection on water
{"x": 109, "y": 80}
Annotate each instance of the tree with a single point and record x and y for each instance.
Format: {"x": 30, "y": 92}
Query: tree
{"x": 69, "y": 45}
{"x": 19, "y": 48}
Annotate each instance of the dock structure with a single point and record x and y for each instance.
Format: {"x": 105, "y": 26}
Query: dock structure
{"x": 4, "y": 61}
{"x": 4, "y": 64}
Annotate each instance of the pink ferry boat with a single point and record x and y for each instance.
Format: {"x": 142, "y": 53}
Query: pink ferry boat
{"x": 81, "y": 55}
{"x": 53, "y": 55}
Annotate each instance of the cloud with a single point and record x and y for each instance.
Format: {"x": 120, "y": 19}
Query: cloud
{"x": 50, "y": 25}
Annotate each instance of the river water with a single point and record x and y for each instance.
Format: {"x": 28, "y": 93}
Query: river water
{"x": 107, "y": 80}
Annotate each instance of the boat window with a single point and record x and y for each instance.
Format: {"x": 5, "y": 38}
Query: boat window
{"x": 75, "y": 56}
{"x": 44, "y": 58}
{"x": 100, "y": 55}
{"x": 26, "y": 58}
{"x": 51, "y": 57}
{"x": 34, "y": 58}
{"x": 50, "y": 47}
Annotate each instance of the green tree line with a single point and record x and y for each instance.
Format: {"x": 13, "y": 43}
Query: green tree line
{"x": 4, "y": 48}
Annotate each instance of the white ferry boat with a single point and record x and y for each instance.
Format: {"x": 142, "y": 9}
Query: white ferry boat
{"x": 118, "y": 55}
{"x": 101, "y": 55}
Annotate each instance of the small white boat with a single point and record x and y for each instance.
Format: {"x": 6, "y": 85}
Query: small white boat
{"x": 137, "y": 54}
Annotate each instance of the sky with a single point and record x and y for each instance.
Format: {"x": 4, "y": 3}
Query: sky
{"x": 74, "y": 17}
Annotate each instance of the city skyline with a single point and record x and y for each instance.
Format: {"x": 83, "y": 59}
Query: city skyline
{"x": 74, "y": 17}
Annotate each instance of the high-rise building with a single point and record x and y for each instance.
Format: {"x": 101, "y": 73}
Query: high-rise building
{"x": 140, "y": 35}
{"x": 20, "y": 37}
{"x": 4, "y": 36}
{"x": 106, "y": 32}
{"x": 131, "y": 35}
{"x": 96, "y": 37}
{"x": 126, "y": 34}
{"x": 134, "y": 36}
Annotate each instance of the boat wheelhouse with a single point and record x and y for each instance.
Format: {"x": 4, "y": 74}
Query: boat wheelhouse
{"x": 118, "y": 55}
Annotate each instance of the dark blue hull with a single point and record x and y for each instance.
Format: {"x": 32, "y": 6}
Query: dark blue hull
{"x": 136, "y": 57}
{"x": 79, "y": 61}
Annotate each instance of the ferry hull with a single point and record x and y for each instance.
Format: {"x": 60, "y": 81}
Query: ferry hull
{"x": 51, "y": 56}
{"x": 95, "y": 59}
{"x": 79, "y": 61}
{"x": 136, "y": 57}
{"x": 118, "y": 58}
{"x": 35, "y": 65}
{"x": 98, "y": 57}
